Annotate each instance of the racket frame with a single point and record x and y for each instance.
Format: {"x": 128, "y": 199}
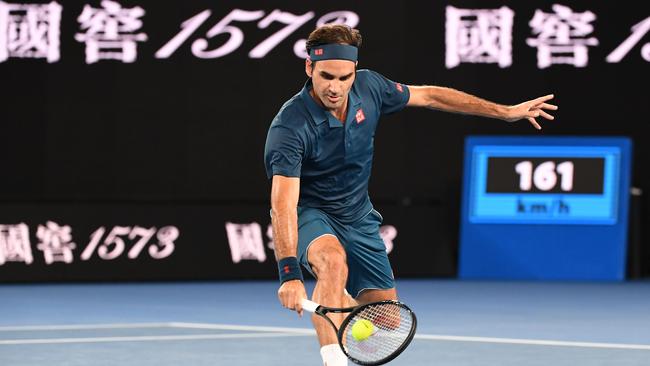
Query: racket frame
{"x": 323, "y": 310}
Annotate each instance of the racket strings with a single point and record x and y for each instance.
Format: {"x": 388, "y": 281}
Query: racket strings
{"x": 391, "y": 328}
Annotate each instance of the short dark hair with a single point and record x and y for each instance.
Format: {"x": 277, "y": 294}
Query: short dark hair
{"x": 333, "y": 33}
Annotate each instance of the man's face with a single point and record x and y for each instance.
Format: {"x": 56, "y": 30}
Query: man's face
{"x": 332, "y": 81}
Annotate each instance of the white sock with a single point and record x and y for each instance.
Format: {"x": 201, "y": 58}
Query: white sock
{"x": 333, "y": 356}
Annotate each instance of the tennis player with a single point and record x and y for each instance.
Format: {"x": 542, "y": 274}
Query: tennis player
{"x": 318, "y": 155}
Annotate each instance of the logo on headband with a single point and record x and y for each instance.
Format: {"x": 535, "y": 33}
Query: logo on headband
{"x": 334, "y": 52}
{"x": 399, "y": 87}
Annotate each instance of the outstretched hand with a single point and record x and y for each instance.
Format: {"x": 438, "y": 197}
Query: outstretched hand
{"x": 531, "y": 110}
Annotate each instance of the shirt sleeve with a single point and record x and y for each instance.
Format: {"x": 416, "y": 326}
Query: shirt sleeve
{"x": 392, "y": 96}
{"x": 283, "y": 153}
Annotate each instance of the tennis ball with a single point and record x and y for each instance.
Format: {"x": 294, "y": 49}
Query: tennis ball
{"x": 362, "y": 329}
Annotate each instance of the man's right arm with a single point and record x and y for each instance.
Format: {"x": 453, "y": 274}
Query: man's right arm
{"x": 285, "y": 192}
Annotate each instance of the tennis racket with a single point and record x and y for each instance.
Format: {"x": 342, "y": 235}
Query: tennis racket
{"x": 394, "y": 326}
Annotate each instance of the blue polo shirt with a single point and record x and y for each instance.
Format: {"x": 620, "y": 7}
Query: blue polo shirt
{"x": 333, "y": 159}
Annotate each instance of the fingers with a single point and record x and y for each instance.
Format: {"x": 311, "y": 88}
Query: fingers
{"x": 290, "y": 301}
{"x": 298, "y": 304}
{"x": 533, "y": 113}
{"x": 547, "y": 106}
{"x": 543, "y": 99}
{"x": 535, "y": 108}
{"x": 546, "y": 115}
{"x": 291, "y": 294}
{"x": 534, "y": 123}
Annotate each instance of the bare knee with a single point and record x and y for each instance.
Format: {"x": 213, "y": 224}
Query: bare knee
{"x": 373, "y": 295}
{"x": 327, "y": 259}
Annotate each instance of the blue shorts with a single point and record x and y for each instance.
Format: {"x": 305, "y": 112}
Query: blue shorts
{"x": 368, "y": 265}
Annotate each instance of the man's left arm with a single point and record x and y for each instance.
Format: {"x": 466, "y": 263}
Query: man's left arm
{"x": 451, "y": 100}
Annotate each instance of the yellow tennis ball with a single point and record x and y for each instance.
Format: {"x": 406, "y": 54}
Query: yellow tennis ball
{"x": 362, "y": 329}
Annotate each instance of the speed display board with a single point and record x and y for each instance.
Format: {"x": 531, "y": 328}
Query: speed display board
{"x": 545, "y": 207}
{"x": 544, "y": 184}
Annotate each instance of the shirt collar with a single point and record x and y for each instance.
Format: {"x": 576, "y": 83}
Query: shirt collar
{"x": 320, "y": 114}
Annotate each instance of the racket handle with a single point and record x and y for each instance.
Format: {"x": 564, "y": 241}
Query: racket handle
{"x": 310, "y": 306}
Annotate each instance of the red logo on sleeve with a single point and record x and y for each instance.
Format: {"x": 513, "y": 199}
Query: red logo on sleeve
{"x": 399, "y": 87}
{"x": 360, "y": 116}
{"x": 318, "y": 52}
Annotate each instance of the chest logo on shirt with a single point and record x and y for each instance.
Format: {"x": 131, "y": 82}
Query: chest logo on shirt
{"x": 360, "y": 116}
{"x": 399, "y": 87}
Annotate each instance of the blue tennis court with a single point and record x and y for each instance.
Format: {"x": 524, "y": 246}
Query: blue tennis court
{"x": 241, "y": 323}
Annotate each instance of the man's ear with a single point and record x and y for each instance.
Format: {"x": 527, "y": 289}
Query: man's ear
{"x": 309, "y": 67}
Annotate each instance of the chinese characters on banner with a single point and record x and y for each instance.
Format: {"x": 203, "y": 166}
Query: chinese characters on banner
{"x": 14, "y": 244}
{"x": 109, "y": 32}
{"x": 246, "y": 242}
{"x": 479, "y": 36}
{"x": 55, "y": 242}
{"x": 30, "y": 31}
{"x": 113, "y": 32}
{"x": 561, "y": 37}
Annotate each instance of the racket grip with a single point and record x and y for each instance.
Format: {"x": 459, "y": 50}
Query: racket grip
{"x": 309, "y": 305}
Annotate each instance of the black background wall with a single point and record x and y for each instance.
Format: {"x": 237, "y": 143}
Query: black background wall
{"x": 179, "y": 141}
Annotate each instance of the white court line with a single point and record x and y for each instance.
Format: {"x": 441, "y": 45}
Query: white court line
{"x": 183, "y": 337}
{"x": 252, "y": 328}
{"x": 279, "y": 331}
{"x": 84, "y": 326}
{"x": 533, "y": 342}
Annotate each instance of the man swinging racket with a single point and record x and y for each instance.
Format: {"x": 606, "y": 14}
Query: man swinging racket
{"x": 318, "y": 155}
